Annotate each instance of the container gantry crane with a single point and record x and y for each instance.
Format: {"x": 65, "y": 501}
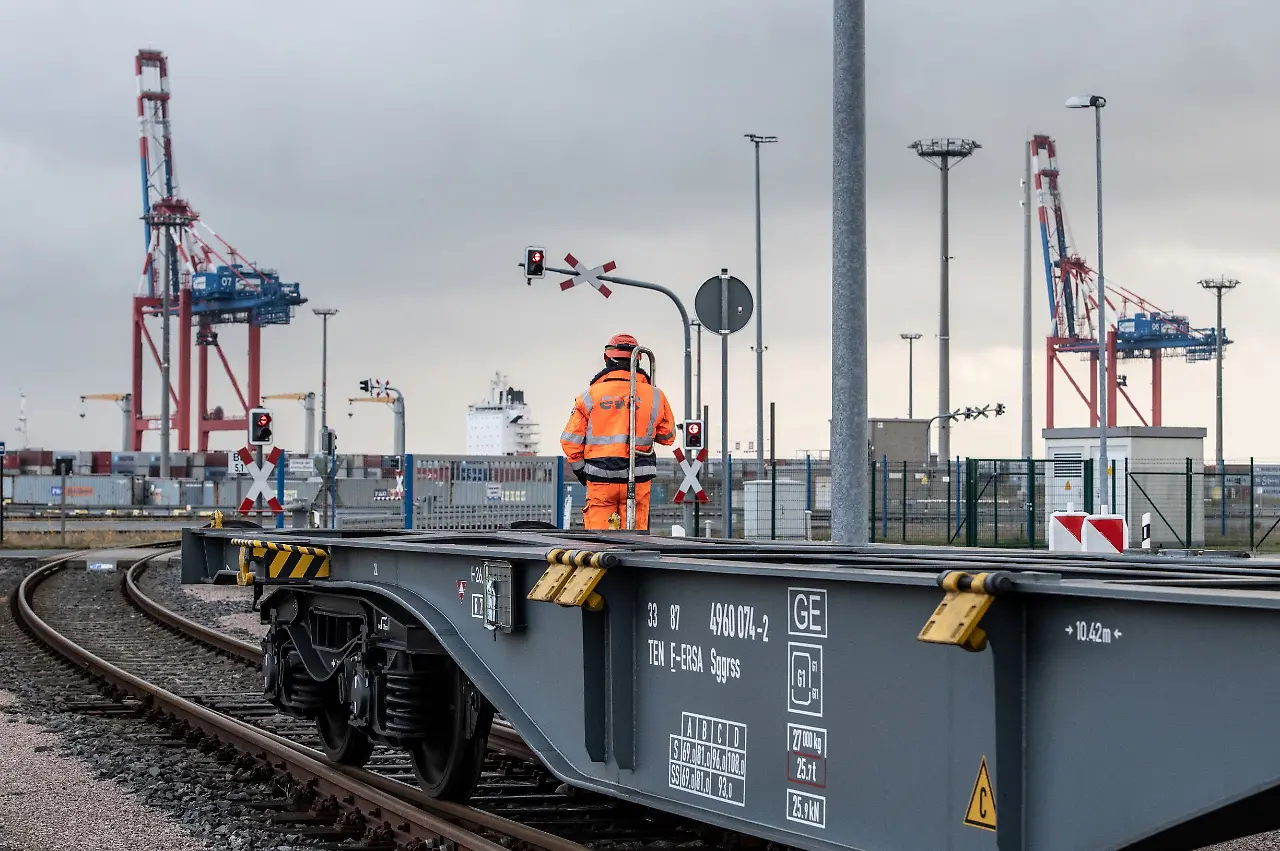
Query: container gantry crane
{"x": 1145, "y": 333}
{"x": 308, "y": 401}
{"x": 125, "y": 401}
{"x": 210, "y": 283}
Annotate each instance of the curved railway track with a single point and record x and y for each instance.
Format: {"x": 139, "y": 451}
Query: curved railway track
{"x": 185, "y": 672}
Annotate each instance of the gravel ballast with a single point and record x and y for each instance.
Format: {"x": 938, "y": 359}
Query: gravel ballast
{"x": 221, "y": 607}
{"x": 50, "y": 802}
{"x": 72, "y": 777}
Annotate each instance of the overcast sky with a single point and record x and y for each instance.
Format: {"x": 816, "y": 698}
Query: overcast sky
{"x": 396, "y": 157}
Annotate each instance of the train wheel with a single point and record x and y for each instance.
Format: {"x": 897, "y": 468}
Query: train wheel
{"x": 455, "y": 731}
{"x": 342, "y": 743}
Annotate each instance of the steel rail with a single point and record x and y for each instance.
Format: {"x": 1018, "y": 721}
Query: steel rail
{"x": 360, "y": 786}
{"x": 502, "y": 736}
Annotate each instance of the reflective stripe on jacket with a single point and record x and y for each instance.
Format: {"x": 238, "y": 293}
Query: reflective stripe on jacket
{"x": 595, "y": 438}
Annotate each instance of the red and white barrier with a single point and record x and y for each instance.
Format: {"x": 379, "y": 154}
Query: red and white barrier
{"x": 1106, "y": 533}
{"x": 1066, "y": 531}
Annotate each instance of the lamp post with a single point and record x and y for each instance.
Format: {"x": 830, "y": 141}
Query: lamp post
{"x": 326, "y": 444}
{"x": 1219, "y": 286}
{"x": 944, "y": 153}
{"x": 759, "y": 140}
{"x": 1096, "y": 103}
{"x": 911, "y": 384}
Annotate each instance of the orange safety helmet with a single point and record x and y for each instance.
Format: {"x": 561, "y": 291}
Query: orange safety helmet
{"x": 620, "y": 346}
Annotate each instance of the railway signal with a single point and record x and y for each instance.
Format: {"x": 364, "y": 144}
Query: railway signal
{"x": 693, "y": 434}
{"x": 535, "y": 262}
{"x": 260, "y": 423}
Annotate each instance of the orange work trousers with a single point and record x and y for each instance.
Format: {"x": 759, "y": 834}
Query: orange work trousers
{"x": 606, "y": 499}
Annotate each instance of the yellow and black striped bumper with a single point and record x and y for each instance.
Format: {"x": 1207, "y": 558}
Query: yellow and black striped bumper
{"x": 283, "y": 562}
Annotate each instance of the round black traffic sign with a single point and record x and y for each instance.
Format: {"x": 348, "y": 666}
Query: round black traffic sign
{"x": 707, "y": 304}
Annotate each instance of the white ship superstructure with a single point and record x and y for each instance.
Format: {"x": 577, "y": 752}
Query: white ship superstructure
{"x": 501, "y": 424}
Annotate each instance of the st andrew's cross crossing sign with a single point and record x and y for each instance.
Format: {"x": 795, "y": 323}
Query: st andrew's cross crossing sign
{"x": 588, "y": 276}
{"x": 261, "y": 476}
{"x": 690, "y": 467}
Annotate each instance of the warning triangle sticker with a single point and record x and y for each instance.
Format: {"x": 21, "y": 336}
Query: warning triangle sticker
{"x": 982, "y": 804}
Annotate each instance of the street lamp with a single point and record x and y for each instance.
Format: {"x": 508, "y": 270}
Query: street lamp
{"x": 911, "y": 340}
{"x": 944, "y": 153}
{"x": 1096, "y": 103}
{"x": 1219, "y": 286}
{"x": 759, "y": 140}
{"x": 326, "y": 444}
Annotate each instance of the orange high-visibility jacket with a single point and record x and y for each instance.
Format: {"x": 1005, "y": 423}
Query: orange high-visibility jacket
{"x": 595, "y": 440}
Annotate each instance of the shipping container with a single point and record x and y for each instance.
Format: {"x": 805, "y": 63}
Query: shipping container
{"x": 98, "y": 491}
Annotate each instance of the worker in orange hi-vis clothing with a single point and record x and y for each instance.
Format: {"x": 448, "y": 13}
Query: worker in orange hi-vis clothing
{"x": 596, "y": 439}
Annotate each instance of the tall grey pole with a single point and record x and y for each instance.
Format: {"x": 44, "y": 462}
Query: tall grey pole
{"x": 324, "y": 313}
{"x": 1218, "y": 425}
{"x": 911, "y": 378}
{"x": 698, "y": 401}
{"x": 759, "y": 335}
{"x": 946, "y": 153}
{"x": 1027, "y": 450}
{"x": 726, "y": 497}
{"x": 758, "y": 140}
{"x": 1104, "y": 467}
{"x": 944, "y": 324}
{"x": 911, "y": 370}
{"x": 126, "y": 405}
{"x": 309, "y": 409}
{"x": 170, "y": 273}
{"x": 1219, "y": 286}
{"x": 397, "y": 409}
{"x": 324, "y": 374}
{"x": 849, "y": 507}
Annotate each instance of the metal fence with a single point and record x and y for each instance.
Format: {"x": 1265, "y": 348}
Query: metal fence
{"x": 475, "y": 493}
{"x": 975, "y": 502}
{"x": 1008, "y": 502}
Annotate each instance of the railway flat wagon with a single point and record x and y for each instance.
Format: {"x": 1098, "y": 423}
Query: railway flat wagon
{"x": 877, "y": 698}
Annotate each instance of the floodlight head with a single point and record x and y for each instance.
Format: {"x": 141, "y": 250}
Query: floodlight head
{"x": 1086, "y": 101}
{"x": 1221, "y": 283}
{"x": 324, "y": 311}
{"x": 758, "y": 139}
{"x": 944, "y": 150}
{"x": 910, "y": 336}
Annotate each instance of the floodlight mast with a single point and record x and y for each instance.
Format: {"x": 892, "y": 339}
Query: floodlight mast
{"x": 944, "y": 154}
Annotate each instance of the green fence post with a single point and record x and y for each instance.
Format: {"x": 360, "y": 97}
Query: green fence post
{"x": 1252, "y": 491}
{"x": 1188, "y": 524}
{"x": 873, "y": 501}
{"x": 904, "y": 502}
{"x": 970, "y": 502}
{"x": 995, "y": 502}
{"x": 1126, "y": 489}
{"x": 1088, "y": 486}
{"x": 1031, "y": 503}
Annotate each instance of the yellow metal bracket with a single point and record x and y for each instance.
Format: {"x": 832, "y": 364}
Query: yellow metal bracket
{"x": 571, "y": 578}
{"x": 284, "y": 562}
{"x": 955, "y": 620}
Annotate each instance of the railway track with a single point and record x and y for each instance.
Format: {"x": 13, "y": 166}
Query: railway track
{"x": 205, "y": 685}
